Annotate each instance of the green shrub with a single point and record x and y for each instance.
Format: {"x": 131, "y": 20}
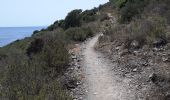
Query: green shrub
{"x": 104, "y": 17}
{"x": 73, "y": 19}
{"x": 27, "y": 81}
{"x": 119, "y": 3}
{"x": 35, "y": 32}
{"x": 87, "y": 19}
{"x": 79, "y": 33}
{"x": 144, "y": 31}
{"x": 57, "y": 24}
{"x": 147, "y": 31}
{"x": 23, "y": 78}
{"x": 52, "y": 27}
{"x": 55, "y": 56}
{"x": 89, "y": 15}
{"x": 131, "y": 9}
{"x": 35, "y": 47}
{"x": 61, "y": 24}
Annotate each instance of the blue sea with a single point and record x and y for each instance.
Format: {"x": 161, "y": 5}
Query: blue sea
{"x": 10, "y": 34}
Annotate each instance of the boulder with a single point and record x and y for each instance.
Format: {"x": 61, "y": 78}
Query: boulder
{"x": 134, "y": 44}
{"x": 153, "y": 77}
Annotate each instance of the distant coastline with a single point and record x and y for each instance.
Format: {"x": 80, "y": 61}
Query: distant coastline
{"x": 11, "y": 34}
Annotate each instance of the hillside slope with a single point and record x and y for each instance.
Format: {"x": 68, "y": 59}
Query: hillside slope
{"x": 139, "y": 43}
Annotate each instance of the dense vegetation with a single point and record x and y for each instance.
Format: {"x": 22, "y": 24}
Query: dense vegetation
{"x": 75, "y": 18}
{"x": 31, "y": 72}
{"x": 129, "y": 8}
{"x": 79, "y": 34}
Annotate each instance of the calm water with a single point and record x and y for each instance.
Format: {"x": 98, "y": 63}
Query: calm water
{"x": 10, "y": 34}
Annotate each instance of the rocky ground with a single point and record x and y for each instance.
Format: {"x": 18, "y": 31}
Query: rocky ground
{"x": 148, "y": 69}
{"x": 73, "y": 79}
{"x": 135, "y": 73}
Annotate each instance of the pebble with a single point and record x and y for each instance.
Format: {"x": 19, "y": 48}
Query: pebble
{"x": 74, "y": 57}
{"x": 152, "y": 77}
{"x": 135, "y": 70}
{"x": 86, "y": 91}
{"x": 95, "y": 93}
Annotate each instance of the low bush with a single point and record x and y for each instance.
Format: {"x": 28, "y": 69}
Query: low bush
{"x": 56, "y": 25}
{"x": 87, "y": 19}
{"x": 104, "y": 17}
{"x": 79, "y": 33}
{"x": 23, "y": 78}
{"x": 89, "y": 15}
{"x": 28, "y": 81}
{"x": 54, "y": 54}
{"x": 141, "y": 22}
{"x": 52, "y": 27}
{"x": 35, "y": 32}
{"x": 61, "y": 24}
{"x": 129, "y": 8}
{"x": 147, "y": 30}
{"x": 119, "y": 3}
{"x": 35, "y": 47}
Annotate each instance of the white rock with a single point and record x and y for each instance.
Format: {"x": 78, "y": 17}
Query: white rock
{"x": 164, "y": 59}
{"x": 95, "y": 93}
{"x": 134, "y": 70}
{"x": 134, "y": 44}
{"x": 74, "y": 57}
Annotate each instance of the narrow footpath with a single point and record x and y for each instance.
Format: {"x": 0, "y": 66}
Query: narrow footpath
{"x": 101, "y": 82}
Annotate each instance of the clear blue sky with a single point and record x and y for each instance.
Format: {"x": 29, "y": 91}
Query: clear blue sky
{"x": 40, "y": 12}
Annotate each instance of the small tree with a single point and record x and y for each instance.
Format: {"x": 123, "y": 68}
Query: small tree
{"x": 73, "y": 19}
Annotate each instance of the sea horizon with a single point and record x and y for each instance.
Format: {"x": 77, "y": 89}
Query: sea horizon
{"x": 23, "y": 26}
{"x": 11, "y": 34}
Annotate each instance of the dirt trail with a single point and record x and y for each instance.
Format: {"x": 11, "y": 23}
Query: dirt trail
{"x": 102, "y": 83}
